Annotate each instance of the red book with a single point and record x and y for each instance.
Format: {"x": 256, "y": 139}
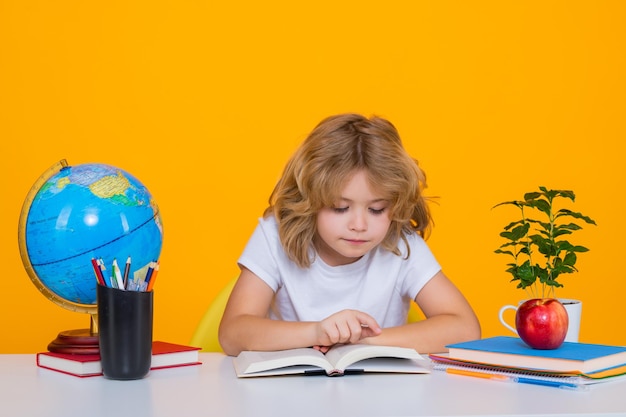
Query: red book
{"x": 164, "y": 355}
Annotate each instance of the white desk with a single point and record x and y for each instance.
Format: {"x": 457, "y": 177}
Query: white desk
{"x": 212, "y": 389}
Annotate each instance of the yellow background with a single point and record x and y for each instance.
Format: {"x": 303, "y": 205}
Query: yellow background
{"x": 204, "y": 101}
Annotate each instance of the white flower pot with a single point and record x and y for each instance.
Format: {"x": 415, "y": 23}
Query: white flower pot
{"x": 573, "y": 308}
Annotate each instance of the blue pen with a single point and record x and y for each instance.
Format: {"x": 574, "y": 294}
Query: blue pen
{"x": 146, "y": 280}
{"x": 555, "y": 384}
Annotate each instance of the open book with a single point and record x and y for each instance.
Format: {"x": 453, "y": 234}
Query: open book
{"x": 339, "y": 360}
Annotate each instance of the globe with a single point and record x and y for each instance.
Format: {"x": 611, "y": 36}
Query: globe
{"x": 74, "y": 214}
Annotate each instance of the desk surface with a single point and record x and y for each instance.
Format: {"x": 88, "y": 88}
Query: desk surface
{"x": 212, "y": 389}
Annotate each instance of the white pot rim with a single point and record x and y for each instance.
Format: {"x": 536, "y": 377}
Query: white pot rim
{"x": 569, "y": 301}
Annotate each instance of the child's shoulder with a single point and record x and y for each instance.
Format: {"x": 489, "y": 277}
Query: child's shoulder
{"x": 413, "y": 239}
{"x": 268, "y": 227}
{"x": 268, "y": 222}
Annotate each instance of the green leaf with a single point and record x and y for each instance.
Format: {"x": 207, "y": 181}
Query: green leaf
{"x": 564, "y": 193}
{"x": 517, "y": 233}
{"x": 508, "y": 203}
{"x": 508, "y": 244}
{"x": 533, "y": 195}
{"x": 556, "y": 233}
{"x": 510, "y": 225}
{"x": 578, "y": 248}
{"x": 567, "y": 194}
{"x": 544, "y": 225}
{"x": 568, "y": 226}
{"x": 526, "y": 274}
{"x": 566, "y": 212}
{"x": 570, "y": 259}
{"x": 504, "y": 252}
{"x": 541, "y": 205}
{"x": 512, "y": 270}
{"x": 545, "y": 246}
{"x": 542, "y": 274}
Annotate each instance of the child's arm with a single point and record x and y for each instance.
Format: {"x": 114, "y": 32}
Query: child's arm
{"x": 449, "y": 319}
{"x": 245, "y": 325}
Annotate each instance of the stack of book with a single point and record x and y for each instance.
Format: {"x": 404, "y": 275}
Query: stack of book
{"x": 164, "y": 355}
{"x": 573, "y": 365}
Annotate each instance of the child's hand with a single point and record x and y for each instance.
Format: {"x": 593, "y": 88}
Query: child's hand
{"x": 346, "y": 326}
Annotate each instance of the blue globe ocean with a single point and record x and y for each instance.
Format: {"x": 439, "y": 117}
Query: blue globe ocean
{"x": 83, "y": 212}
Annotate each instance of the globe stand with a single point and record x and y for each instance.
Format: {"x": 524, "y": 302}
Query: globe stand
{"x": 77, "y": 341}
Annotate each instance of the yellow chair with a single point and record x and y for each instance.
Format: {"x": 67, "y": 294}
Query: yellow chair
{"x": 205, "y": 335}
{"x": 414, "y": 313}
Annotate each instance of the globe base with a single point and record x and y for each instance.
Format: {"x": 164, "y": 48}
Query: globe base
{"x": 77, "y": 341}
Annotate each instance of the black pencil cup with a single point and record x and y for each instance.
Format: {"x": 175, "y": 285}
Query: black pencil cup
{"x": 125, "y": 332}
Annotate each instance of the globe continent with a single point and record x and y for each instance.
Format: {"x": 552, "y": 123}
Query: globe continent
{"x": 89, "y": 211}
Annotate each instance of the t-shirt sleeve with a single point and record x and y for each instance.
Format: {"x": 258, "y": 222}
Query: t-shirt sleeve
{"x": 259, "y": 254}
{"x": 422, "y": 266}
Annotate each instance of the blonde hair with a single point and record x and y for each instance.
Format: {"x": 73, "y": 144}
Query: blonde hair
{"x": 315, "y": 175}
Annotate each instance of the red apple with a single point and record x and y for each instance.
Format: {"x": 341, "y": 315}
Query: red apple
{"x": 542, "y": 323}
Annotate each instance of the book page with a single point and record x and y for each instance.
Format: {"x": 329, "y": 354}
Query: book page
{"x": 345, "y": 355}
{"x": 252, "y": 361}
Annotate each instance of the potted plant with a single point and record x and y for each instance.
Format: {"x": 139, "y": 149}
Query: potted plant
{"x": 540, "y": 252}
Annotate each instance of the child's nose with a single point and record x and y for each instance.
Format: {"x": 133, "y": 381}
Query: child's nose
{"x": 358, "y": 222}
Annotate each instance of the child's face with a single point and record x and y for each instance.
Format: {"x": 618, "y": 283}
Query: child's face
{"x": 356, "y": 223}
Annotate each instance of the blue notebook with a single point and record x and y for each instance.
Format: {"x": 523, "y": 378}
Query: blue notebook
{"x": 513, "y": 352}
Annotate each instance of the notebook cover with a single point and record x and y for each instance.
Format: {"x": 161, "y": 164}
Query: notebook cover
{"x": 515, "y": 346}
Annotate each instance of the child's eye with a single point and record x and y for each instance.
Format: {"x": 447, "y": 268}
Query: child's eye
{"x": 378, "y": 211}
{"x": 340, "y": 209}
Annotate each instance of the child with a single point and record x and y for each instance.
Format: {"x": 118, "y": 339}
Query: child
{"x": 340, "y": 252}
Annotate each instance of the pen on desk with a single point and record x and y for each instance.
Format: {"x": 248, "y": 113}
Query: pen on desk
{"x": 555, "y": 384}
{"x": 477, "y": 374}
{"x": 126, "y": 272}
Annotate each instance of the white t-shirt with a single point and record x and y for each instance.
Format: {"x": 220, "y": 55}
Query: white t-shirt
{"x": 380, "y": 283}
